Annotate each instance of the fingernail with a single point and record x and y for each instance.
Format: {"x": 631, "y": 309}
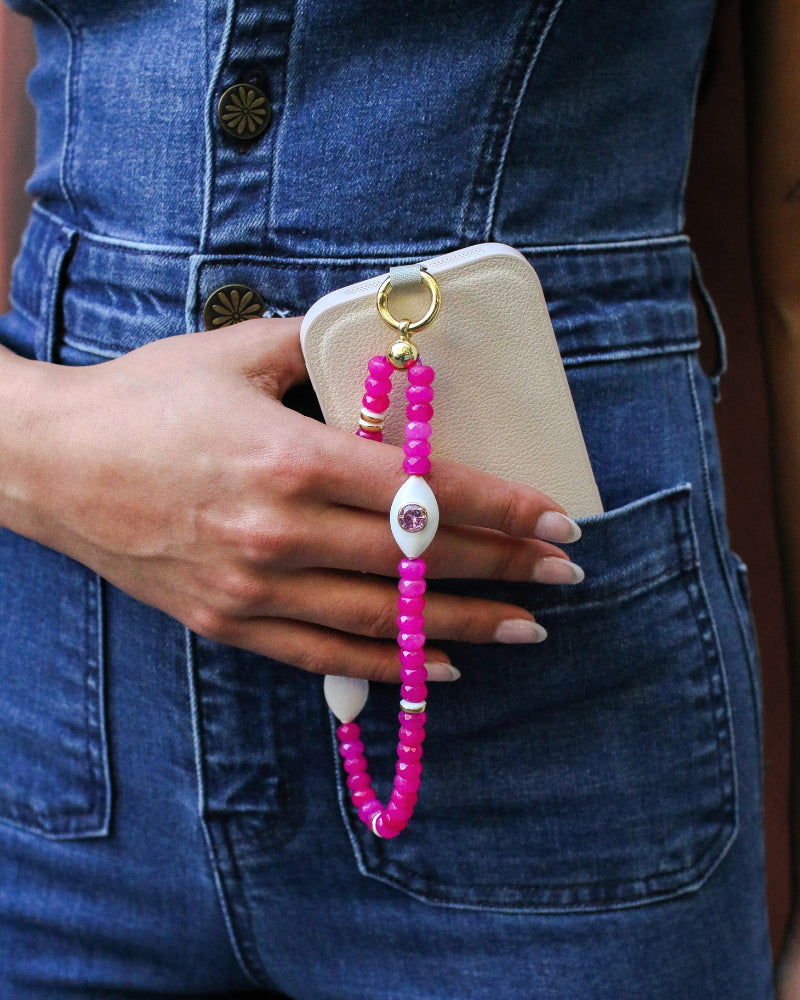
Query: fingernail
{"x": 519, "y": 630}
{"x": 442, "y": 672}
{"x": 555, "y": 527}
{"x": 551, "y": 569}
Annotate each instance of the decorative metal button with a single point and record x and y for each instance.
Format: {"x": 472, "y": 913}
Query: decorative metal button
{"x": 244, "y": 111}
{"x": 231, "y": 304}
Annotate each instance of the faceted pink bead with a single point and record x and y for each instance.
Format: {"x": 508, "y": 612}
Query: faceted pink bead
{"x": 411, "y": 605}
{"x": 412, "y": 720}
{"x": 419, "y": 394}
{"x": 380, "y": 366}
{"x": 367, "y": 805}
{"x": 406, "y": 784}
{"x": 355, "y": 765}
{"x": 357, "y": 781}
{"x": 348, "y": 731}
{"x": 408, "y": 753}
{"x": 404, "y": 799}
{"x": 420, "y": 447}
{"x": 354, "y": 749}
{"x": 417, "y": 465}
{"x": 379, "y": 387}
{"x": 410, "y": 623}
{"x": 410, "y": 658}
{"x": 384, "y": 827}
{"x": 378, "y": 404}
{"x": 411, "y": 737}
{"x": 419, "y": 411}
{"x": 412, "y": 569}
{"x": 406, "y": 770}
{"x": 411, "y": 676}
{"x": 411, "y": 640}
{"x": 367, "y": 434}
{"x": 416, "y": 429}
{"x": 413, "y": 692}
{"x": 421, "y": 374}
{"x": 411, "y": 588}
{"x": 400, "y": 810}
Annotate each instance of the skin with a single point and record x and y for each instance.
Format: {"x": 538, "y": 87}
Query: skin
{"x": 773, "y": 53}
{"x": 177, "y": 474}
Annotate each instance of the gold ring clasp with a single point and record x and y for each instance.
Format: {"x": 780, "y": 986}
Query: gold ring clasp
{"x": 407, "y": 327}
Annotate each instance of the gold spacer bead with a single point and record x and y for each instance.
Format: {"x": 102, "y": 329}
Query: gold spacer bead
{"x": 371, "y": 420}
{"x": 370, "y": 428}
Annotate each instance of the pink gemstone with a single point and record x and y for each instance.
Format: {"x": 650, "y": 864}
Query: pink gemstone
{"x": 384, "y": 826}
{"x": 413, "y": 516}
{"x": 413, "y": 692}
{"x": 417, "y": 465}
{"x": 400, "y": 809}
{"x": 411, "y": 605}
{"x": 351, "y": 749}
{"x": 404, "y": 799}
{"x": 408, "y": 753}
{"x": 380, "y": 366}
{"x": 406, "y": 770}
{"x": 378, "y": 386}
{"x": 372, "y": 437}
{"x": 357, "y": 781}
{"x": 412, "y": 569}
{"x": 411, "y": 659}
{"x": 413, "y": 675}
{"x": 378, "y": 404}
{"x": 411, "y": 737}
{"x": 412, "y": 720}
{"x": 419, "y": 411}
{"x": 411, "y": 640}
{"x": 348, "y": 731}
{"x": 419, "y": 394}
{"x": 355, "y": 765}
{"x": 407, "y": 784}
{"x": 421, "y": 374}
{"x": 411, "y": 588}
{"x": 367, "y": 805}
{"x": 414, "y": 448}
{"x": 410, "y": 623}
{"x": 417, "y": 429}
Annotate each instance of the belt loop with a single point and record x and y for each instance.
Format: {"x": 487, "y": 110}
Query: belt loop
{"x": 716, "y": 323}
{"x": 57, "y": 255}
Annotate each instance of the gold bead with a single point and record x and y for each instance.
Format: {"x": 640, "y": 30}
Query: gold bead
{"x": 369, "y": 419}
{"x": 370, "y": 428}
{"x": 402, "y": 354}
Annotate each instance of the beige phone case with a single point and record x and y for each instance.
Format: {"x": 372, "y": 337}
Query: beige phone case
{"x": 502, "y": 402}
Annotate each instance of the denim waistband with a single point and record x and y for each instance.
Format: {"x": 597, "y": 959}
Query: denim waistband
{"x": 607, "y": 300}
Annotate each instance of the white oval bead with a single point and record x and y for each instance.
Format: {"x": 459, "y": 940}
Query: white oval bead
{"x": 346, "y": 696}
{"x": 414, "y": 490}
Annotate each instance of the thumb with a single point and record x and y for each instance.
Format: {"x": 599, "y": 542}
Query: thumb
{"x": 272, "y": 355}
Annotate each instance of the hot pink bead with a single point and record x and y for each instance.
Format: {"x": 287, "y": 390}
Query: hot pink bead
{"x": 419, "y": 394}
{"x": 371, "y": 436}
{"x": 411, "y": 640}
{"x": 410, "y": 623}
{"x": 411, "y": 588}
{"x": 417, "y": 465}
{"x": 380, "y": 366}
{"x": 349, "y": 731}
{"x": 411, "y": 605}
{"x": 378, "y": 404}
{"x": 411, "y": 658}
{"x": 417, "y": 429}
{"x": 355, "y": 765}
{"x": 404, "y": 799}
{"x": 412, "y": 569}
{"x": 385, "y": 828}
{"x": 379, "y": 386}
{"x": 400, "y": 810}
{"x": 354, "y": 749}
{"x": 367, "y": 806}
{"x": 419, "y": 411}
{"x": 421, "y": 374}
{"x": 406, "y": 784}
{"x": 411, "y": 720}
{"x": 357, "y": 781}
{"x": 413, "y": 692}
{"x": 414, "y": 448}
{"x": 406, "y": 770}
{"x": 411, "y": 737}
{"x": 408, "y": 753}
{"x": 413, "y": 676}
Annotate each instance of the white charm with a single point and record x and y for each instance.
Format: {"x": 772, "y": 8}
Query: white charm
{"x": 414, "y": 516}
{"x": 346, "y": 696}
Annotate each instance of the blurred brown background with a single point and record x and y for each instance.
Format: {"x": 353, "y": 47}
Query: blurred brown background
{"x": 717, "y": 222}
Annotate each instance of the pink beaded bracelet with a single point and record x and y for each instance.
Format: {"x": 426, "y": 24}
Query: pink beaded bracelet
{"x": 414, "y": 518}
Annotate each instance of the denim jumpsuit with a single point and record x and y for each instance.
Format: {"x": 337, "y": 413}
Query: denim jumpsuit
{"x": 172, "y": 815}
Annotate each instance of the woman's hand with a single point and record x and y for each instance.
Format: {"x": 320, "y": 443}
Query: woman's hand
{"x": 177, "y": 474}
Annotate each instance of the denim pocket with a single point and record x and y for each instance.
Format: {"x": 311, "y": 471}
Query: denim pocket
{"x": 590, "y": 772}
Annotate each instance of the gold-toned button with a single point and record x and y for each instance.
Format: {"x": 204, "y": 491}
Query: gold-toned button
{"x": 231, "y": 304}
{"x": 244, "y": 112}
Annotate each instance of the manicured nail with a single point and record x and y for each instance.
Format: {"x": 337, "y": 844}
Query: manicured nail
{"x": 519, "y": 630}
{"x": 555, "y": 527}
{"x": 551, "y": 569}
{"x": 442, "y": 672}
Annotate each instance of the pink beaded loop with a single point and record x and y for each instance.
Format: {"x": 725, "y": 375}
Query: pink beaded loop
{"x": 389, "y": 821}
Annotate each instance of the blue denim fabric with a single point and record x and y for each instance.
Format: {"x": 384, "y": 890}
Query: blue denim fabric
{"x": 172, "y": 816}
